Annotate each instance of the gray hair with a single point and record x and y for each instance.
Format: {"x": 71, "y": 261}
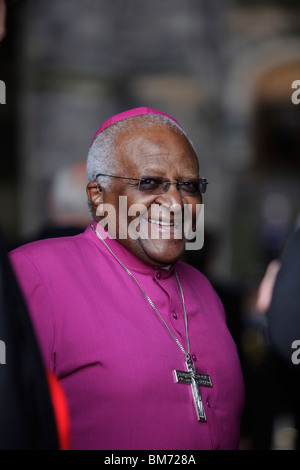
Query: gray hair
{"x": 100, "y": 157}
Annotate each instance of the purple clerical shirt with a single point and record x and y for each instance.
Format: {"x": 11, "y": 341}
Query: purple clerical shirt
{"x": 115, "y": 359}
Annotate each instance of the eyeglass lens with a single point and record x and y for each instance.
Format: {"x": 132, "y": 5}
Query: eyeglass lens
{"x": 160, "y": 185}
{"x": 156, "y": 185}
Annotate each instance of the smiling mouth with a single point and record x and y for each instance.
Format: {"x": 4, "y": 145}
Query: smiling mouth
{"x": 168, "y": 228}
{"x": 163, "y": 223}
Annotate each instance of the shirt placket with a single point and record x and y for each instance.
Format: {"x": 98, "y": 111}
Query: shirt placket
{"x": 173, "y": 312}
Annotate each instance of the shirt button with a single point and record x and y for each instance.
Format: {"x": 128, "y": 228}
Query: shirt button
{"x": 194, "y": 358}
{"x": 158, "y": 275}
{"x": 174, "y": 314}
{"x": 208, "y": 404}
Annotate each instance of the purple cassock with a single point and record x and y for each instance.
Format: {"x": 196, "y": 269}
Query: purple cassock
{"x": 116, "y": 359}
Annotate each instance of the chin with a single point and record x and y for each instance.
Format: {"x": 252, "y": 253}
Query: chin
{"x": 162, "y": 254}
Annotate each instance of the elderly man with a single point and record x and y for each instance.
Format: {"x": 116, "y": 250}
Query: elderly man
{"x": 137, "y": 338}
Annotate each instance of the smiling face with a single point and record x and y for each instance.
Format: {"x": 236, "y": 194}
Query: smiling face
{"x": 155, "y": 151}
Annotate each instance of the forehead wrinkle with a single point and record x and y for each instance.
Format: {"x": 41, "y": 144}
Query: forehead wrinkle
{"x": 159, "y": 167}
{"x": 152, "y": 151}
{"x": 152, "y": 171}
{"x": 191, "y": 175}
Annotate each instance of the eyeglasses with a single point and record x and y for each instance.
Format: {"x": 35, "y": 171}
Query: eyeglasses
{"x": 157, "y": 185}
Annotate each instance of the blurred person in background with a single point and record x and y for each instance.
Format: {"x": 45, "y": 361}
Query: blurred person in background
{"x": 284, "y": 306}
{"x": 66, "y": 206}
{"x": 278, "y": 301}
{"x": 67, "y": 202}
{"x": 278, "y": 297}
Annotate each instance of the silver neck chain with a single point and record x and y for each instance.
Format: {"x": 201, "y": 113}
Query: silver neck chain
{"x": 186, "y": 353}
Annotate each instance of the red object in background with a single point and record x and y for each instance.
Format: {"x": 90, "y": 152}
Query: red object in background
{"x": 61, "y": 411}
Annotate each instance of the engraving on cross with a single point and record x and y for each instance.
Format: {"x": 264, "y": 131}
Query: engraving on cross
{"x": 192, "y": 378}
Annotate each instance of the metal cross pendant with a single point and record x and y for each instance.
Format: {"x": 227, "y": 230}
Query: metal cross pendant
{"x": 192, "y": 378}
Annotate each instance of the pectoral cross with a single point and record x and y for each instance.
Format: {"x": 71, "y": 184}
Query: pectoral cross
{"x": 192, "y": 378}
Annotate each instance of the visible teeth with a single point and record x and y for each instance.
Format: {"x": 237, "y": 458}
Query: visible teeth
{"x": 152, "y": 221}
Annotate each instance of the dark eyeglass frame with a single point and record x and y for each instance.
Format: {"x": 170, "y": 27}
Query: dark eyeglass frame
{"x": 164, "y": 184}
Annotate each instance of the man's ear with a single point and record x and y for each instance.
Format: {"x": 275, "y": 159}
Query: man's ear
{"x": 94, "y": 192}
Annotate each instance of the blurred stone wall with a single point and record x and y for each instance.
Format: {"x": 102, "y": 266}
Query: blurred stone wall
{"x": 80, "y": 62}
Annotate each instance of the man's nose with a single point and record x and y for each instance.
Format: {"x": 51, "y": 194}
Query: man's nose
{"x": 171, "y": 197}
